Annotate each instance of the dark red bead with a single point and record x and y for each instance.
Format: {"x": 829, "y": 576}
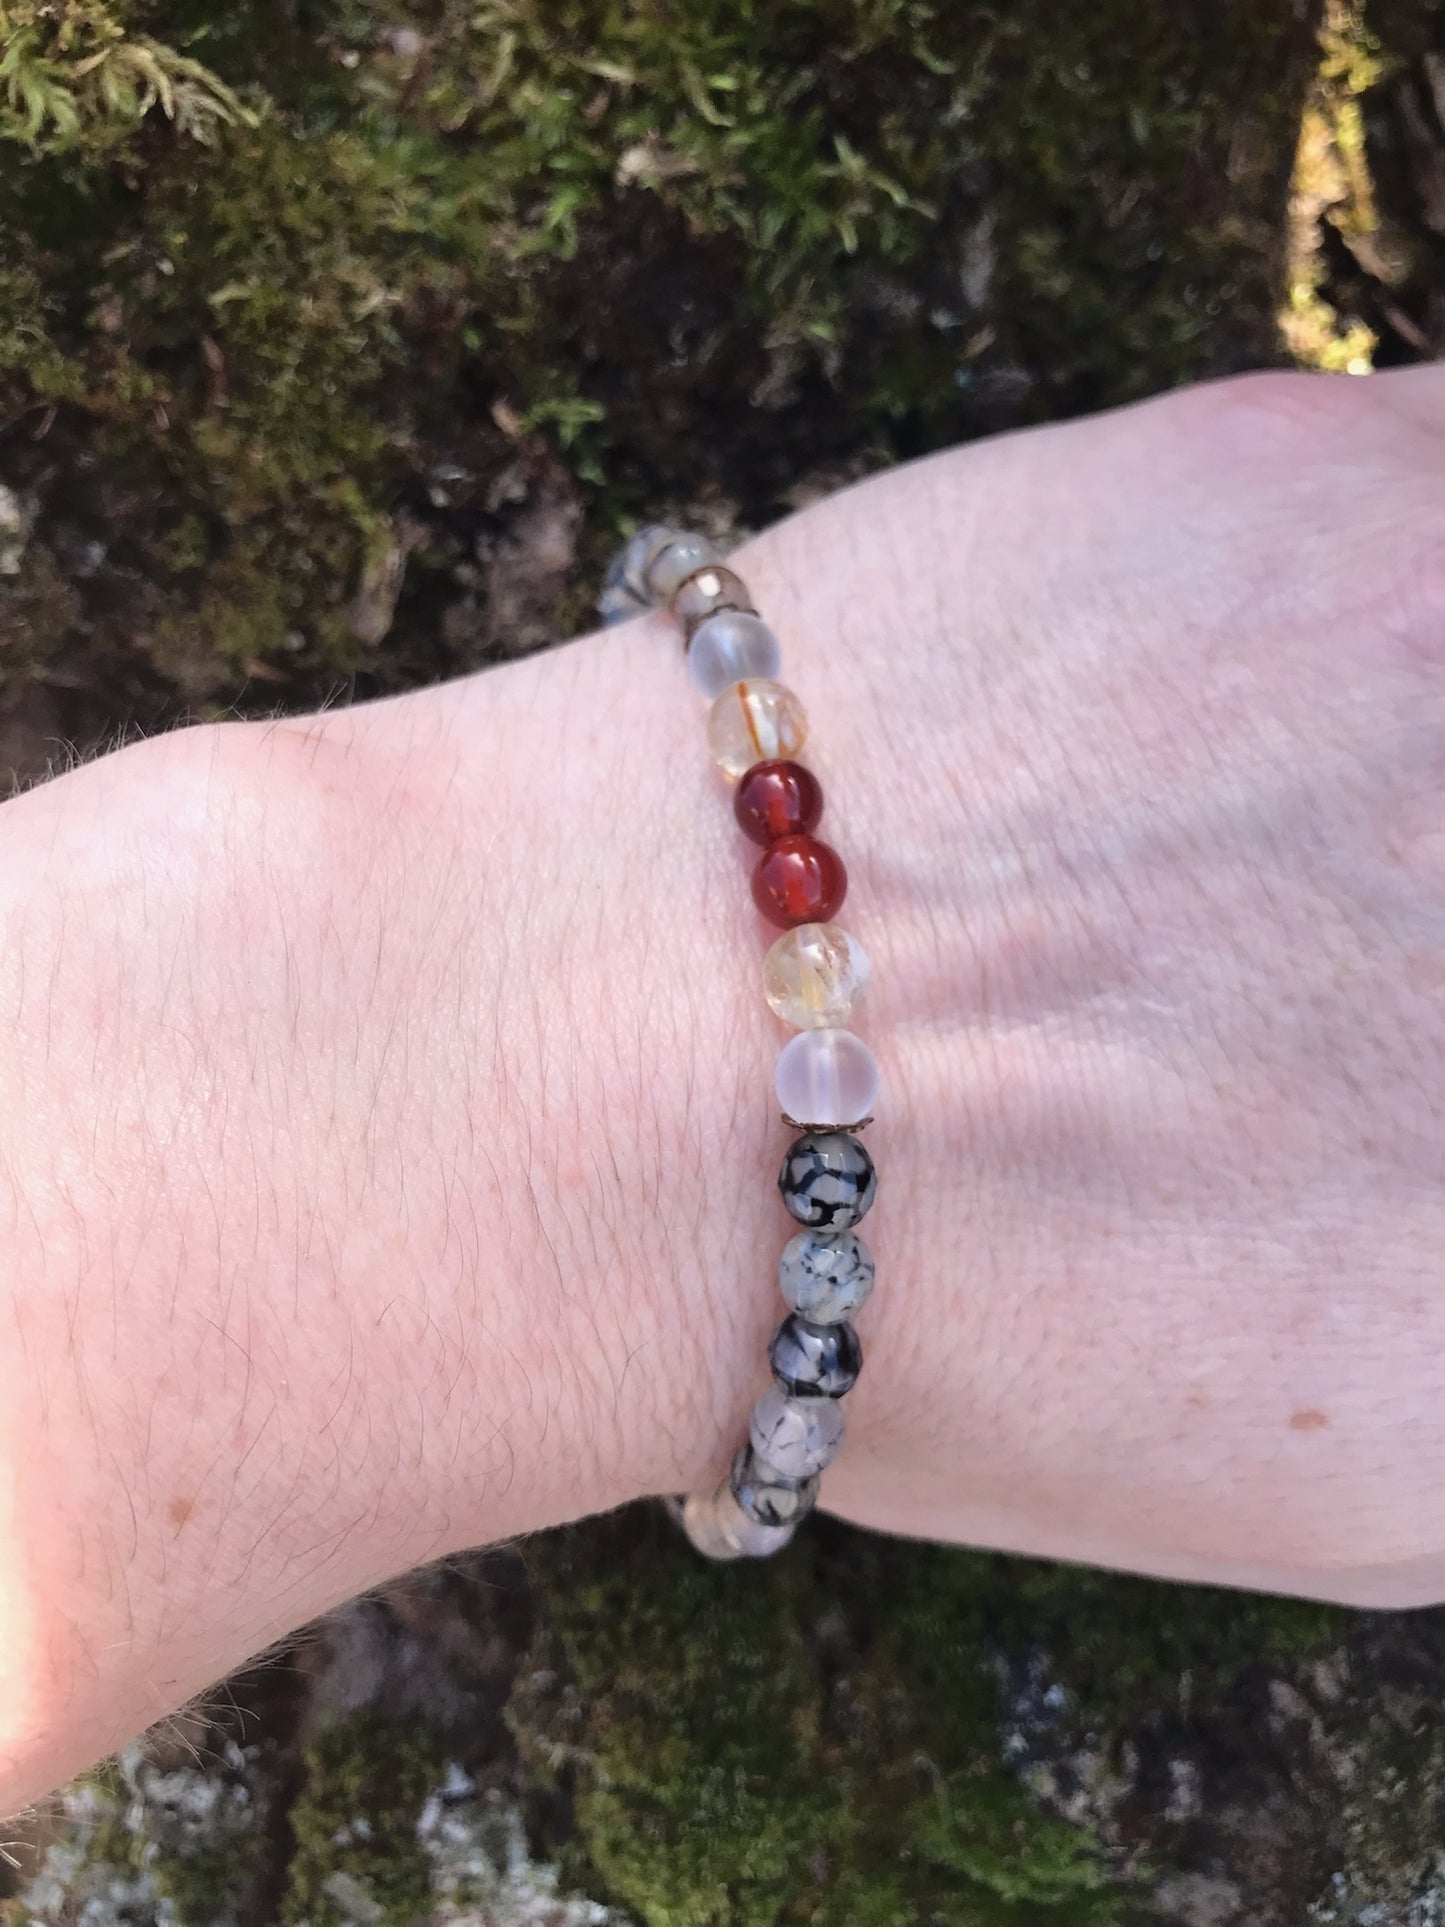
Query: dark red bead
{"x": 799, "y": 880}
{"x": 777, "y": 799}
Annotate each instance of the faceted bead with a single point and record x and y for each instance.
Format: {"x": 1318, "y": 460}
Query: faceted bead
{"x": 826, "y": 1275}
{"x": 777, "y": 799}
{"x": 827, "y": 1078}
{"x": 827, "y": 1181}
{"x": 815, "y": 1361}
{"x": 674, "y": 561}
{"x": 703, "y": 594}
{"x": 796, "y": 1436}
{"x": 768, "y": 1497}
{"x": 755, "y": 721}
{"x": 799, "y": 880}
{"x": 728, "y": 647}
{"x": 815, "y": 976}
{"x": 719, "y": 1528}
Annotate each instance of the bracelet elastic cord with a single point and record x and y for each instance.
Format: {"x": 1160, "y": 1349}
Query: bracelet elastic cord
{"x": 814, "y": 977}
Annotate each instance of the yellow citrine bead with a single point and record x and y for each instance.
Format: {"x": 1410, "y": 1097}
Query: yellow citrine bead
{"x": 756, "y": 721}
{"x": 815, "y": 976}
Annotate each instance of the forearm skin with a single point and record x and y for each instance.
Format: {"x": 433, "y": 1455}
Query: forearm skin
{"x": 386, "y": 1134}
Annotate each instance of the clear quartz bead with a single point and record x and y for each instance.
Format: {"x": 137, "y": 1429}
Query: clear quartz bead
{"x": 755, "y": 721}
{"x": 815, "y": 976}
{"x": 730, "y": 645}
{"x": 719, "y": 1528}
{"x": 828, "y": 1078}
{"x": 826, "y": 1275}
{"x": 796, "y": 1436}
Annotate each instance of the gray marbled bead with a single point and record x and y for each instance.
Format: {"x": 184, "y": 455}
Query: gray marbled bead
{"x": 624, "y": 589}
{"x": 827, "y": 1180}
{"x": 815, "y": 1361}
{"x": 768, "y": 1497}
{"x": 796, "y": 1436}
{"x": 826, "y": 1275}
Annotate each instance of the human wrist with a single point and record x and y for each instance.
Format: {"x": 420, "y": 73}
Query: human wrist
{"x": 313, "y": 1272}
{"x": 449, "y": 1007}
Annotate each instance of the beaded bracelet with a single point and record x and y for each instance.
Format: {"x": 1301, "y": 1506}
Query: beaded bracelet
{"x": 814, "y": 976}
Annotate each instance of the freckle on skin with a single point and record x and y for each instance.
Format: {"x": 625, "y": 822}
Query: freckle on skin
{"x": 179, "y": 1510}
{"x": 1308, "y": 1421}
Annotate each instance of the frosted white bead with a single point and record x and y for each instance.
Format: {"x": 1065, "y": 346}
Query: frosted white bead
{"x": 720, "y": 1529}
{"x": 826, "y": 1077}
{"x": 815, "y": 976}
{"x": 796, "y": 1436}
{"x": 730, "y": 646}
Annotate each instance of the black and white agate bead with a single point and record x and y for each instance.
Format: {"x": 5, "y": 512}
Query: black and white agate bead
{"x": 770, "y": 1498}
{"x": 815, "y": 1361}
{"x": 825, "y": 1275}
{"x": 826, "y": 1078}
{"x": 796, "y": 1436}
{"x": 827, "y": 1180}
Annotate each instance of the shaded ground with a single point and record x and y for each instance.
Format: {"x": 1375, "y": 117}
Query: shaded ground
{"x": 342, "y": 365}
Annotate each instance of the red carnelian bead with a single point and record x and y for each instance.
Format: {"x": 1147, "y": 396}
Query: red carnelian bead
{"x": 777, "y": 799}
{"x": 799, "y": 880}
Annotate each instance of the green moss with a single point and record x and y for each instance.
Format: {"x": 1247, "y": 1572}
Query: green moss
{"x": 819, "y": 1738}
{"x": 705, "y": 1799}
{"x": 597, "y": 235}
{"x": 71, "y": 76}
{"x": 355, "y": 1824}
{"x": 936, "y": 1818}
{"x": 1133, "y": 1648}
{"x": 724, "y": 1777}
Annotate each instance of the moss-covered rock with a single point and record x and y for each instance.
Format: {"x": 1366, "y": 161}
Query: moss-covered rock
{"x": 357, "y": 1857}
{"x": 178, "y": 1833}
{"x": 861, "y": 1734}
{"x": 327, "y": 325}
{"x": 813, "y": 1740}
